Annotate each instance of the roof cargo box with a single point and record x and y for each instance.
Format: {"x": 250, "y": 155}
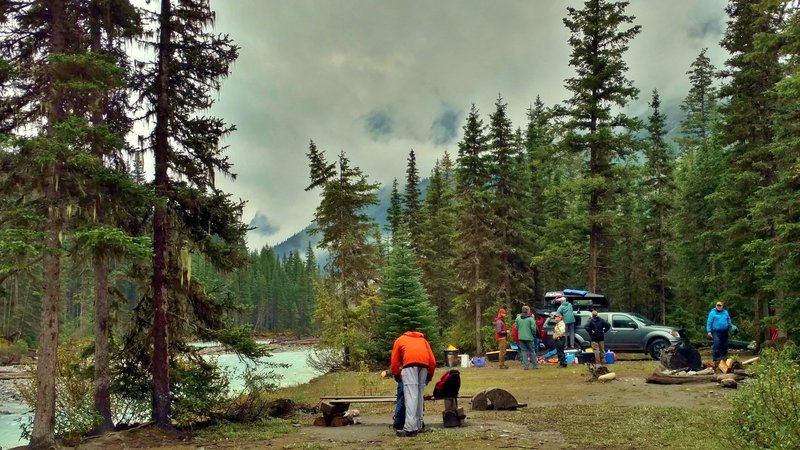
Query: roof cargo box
{"x": 581, "y": 300}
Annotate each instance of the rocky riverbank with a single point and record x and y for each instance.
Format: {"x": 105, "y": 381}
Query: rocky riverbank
{"x": 10, "y": 376}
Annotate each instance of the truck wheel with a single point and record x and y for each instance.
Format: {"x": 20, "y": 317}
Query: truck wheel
{"x": 657, "y": 347}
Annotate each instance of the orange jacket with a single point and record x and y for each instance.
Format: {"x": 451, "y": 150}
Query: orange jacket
{"x": 412, "y": 349}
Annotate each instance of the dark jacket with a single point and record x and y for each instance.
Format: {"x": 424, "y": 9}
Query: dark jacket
{"x": 597, "y": 328}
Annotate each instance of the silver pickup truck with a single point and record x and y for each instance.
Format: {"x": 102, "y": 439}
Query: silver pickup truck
{"x": 629, "y": 333}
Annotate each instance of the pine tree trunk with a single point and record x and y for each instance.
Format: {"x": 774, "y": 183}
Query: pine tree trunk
{"x": 44, "y": 419}
{"x": 478, "y": 314}
{"x": 102, "y": 397}
{"x": 160, "y": 364}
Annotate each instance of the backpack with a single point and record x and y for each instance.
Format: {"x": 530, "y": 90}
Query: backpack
{"x": 448, "y": 385}
{"x": 514, "y": 332}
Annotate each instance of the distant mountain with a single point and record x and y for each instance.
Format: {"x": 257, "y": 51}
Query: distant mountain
{"x": 299, "y": 241}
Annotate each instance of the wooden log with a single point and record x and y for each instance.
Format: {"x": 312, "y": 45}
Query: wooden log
{"x": 607, "y": 377}
{"x": 341, "y": 421}
{"x": 750, "y": 361}
{"x": 320, "y": 422}
{"x": 729, "y": 383}
{"x": 4, "y": 376}
{"x": 333, "y": 409}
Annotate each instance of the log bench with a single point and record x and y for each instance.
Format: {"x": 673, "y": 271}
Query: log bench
{"x": 335, "y": 409}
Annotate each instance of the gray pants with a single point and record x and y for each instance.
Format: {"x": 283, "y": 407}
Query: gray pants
{"x": 413, "y": 386}
{"x": 570, "y": 335}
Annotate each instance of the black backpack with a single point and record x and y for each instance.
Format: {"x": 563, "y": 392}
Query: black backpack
{"x": 448, "y": 385}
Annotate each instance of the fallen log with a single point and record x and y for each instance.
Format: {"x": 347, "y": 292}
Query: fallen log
{"x": 5, "y": 376}
{"x": 660, "y": 378}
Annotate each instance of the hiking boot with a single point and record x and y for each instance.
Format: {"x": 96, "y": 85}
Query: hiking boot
{"x": 524, "y": 368}
{"x": 404, "y": 433}
{"x": 561, "y": 366}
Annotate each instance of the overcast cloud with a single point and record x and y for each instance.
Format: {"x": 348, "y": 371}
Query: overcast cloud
{"x": 376, "y": 78}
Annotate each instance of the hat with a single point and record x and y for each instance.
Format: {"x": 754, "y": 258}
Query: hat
{"x": 501, "y": 311}
{"x": 558, "y": 314}
{"x": 562, "y": 299}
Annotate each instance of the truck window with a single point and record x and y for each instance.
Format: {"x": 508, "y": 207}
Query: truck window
{"x": 621, "y": 321}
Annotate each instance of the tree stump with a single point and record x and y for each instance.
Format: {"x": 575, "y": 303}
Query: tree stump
{"x": 494, "y": 399}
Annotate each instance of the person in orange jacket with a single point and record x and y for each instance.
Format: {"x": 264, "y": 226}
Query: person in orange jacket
{"x": 413, "y": 364}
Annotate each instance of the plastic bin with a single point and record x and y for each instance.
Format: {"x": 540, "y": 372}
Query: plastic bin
{"x": 465, "y": 362}
{"x": 451, "y": 358}
{"x": 571, "y": 354}
{"x": 479, "y": 361}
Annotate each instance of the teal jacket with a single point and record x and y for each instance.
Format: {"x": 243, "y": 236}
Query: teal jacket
{"x": 526, "y": 327}
{"x": 718, "y": 321}
{"x": 566, "y": 312}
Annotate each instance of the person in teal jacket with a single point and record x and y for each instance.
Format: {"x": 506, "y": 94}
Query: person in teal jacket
{"x": 717, "y": 326}
{"x": 526, "y": 329}
{"x": 565, "y": 309}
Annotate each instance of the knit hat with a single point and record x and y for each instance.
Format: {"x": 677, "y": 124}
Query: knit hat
{"x": 501, "y": 311}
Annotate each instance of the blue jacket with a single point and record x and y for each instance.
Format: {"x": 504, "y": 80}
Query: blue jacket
{"x": 718, "y": 321}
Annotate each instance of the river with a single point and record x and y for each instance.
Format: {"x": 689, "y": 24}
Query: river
{"x": 298, "y": 372}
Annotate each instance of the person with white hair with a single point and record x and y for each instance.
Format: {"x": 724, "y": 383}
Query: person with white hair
{"x": 565, "y": 309}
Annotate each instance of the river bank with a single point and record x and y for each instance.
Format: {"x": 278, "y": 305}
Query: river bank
{"x": 290, "y": 362}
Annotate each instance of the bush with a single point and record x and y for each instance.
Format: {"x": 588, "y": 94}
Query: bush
{"x": 11, "y": 352}
{"x": 765, "y": 413}
{"x": 75, "y": 413}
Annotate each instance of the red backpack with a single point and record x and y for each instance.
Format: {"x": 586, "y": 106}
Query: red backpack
{"x": 448, "y": 386}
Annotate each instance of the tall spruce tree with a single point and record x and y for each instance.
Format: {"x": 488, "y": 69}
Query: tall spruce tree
{"x": 411, "y": 200}
{"x": 347, "y": 234}
{"x": 659, "y": 191}
{"x": 507, "y": 205}
{"x": 406, "y": 305}
{"x": 176, "y": 88}
{"x": 437, "y": 239}
{"x": 598, "y": 42}
{"x": 475, "y": 251}
{"x": 394, "y": 215}
{"x": 752, "y": 72}
{"x": 700, "y": 155}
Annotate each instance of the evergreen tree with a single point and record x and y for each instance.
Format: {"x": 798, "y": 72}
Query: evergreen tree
{"x": 752, "y": 72}
{"x": 700, "y": 156}
{"x": 394, "y": 215}
{"x": 598, "y": 45}
{"x": 437, "y": 239}
{"x": 659, "y": 190}
{"x": 405, "y": 303}
{"x": 507, "y": 200}
{"x": 411, "y": 200}
{"x": 189, "y": 67}
{"x": 348, "y": 236}
{"x": 475, "y": 250}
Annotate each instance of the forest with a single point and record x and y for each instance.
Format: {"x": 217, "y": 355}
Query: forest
{"x": 120, "y": 240}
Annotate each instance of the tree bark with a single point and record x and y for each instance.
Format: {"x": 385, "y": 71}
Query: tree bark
{"x": 160, "y": 363}
{"x": 44, "y": 419}
{"x": 102, "y": 396}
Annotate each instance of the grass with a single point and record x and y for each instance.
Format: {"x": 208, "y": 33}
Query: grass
{"x": 263, "y": 430}
{"x": 564, "y": 411}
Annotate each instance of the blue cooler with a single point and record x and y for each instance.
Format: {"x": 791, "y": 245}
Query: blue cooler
{"x": 610, "y": 357}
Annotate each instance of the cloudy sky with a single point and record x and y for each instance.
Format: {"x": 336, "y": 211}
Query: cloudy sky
{"x": 377, "y": 78}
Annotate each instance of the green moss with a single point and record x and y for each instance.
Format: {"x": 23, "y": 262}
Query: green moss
{"x": 250, "y": 431}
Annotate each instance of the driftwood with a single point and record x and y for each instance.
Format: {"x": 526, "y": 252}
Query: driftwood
{"x": 660, "y": 378}
{"x": 750, "y": 361}
{"x": 496, "y": 399}
{"x": 607, "y": 377}
{"x": 4, "y": 376}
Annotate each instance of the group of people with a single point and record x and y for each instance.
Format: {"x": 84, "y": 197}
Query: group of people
{"x": 413, "y": 363}
{"x": 528, "y": 332}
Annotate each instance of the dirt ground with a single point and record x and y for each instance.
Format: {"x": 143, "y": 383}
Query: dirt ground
{"x": 546, "y": 391}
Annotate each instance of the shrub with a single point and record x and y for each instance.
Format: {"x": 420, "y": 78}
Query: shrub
{"x": 75, "y": 413}
{"x": 765, "y": 413}
{"x": 11, "y": 352}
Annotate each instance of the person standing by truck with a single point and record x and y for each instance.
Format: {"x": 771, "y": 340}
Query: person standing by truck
{"x": 526, "y": 329}
{"x": 565, "y": 308}
{"x": 501, "y": 334}
{"x": 597, "y": 329}
{"x": 559, "y": 337}
{"x": 717, "y": 325}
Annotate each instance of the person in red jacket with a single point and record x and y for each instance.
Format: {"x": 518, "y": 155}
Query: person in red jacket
{"x": 413, "y": 363}
{"x": 500, "y": 333}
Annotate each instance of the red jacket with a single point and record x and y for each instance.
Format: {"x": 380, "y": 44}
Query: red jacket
{"x": 412, "y": 349}
{"x": 500, "y": 330}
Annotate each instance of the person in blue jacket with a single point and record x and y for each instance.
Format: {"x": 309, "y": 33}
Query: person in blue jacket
{"x": 717, "y": 326}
